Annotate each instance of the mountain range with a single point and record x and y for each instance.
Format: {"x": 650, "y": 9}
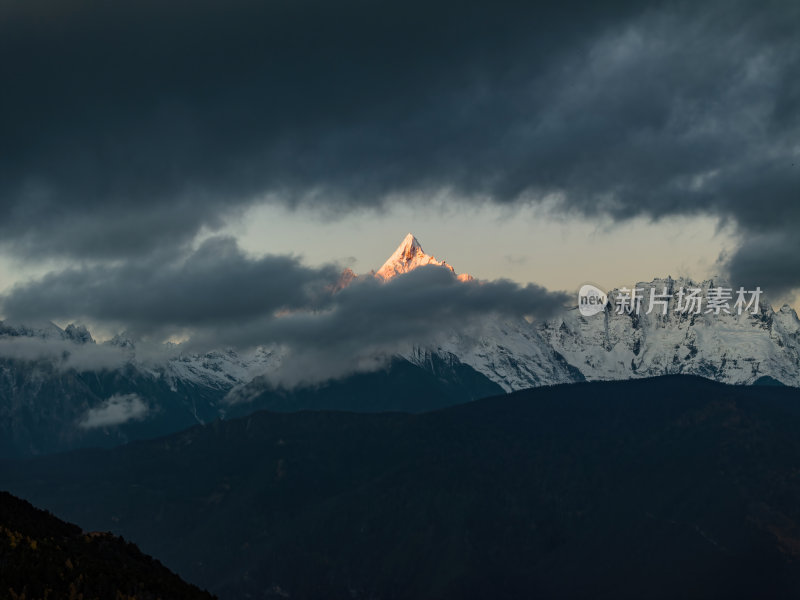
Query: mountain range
{"x": 54, "y": 396}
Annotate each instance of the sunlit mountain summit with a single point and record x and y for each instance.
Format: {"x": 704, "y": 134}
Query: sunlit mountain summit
{"x": 409, "y": 256}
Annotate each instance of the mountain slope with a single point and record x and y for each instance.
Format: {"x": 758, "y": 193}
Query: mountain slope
{"x": 41, "y": 556}
{"x": 426, "y": 383}
{"x": 511, "y": 353}
{"x": 46, "y": 408}
{"x": 660, "y": 488}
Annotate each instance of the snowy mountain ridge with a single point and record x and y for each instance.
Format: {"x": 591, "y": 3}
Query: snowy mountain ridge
{"x": 517, "y": 354}
{"x": 733, "y": 348}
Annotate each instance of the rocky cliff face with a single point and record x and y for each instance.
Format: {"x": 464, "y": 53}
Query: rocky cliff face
{"x": 733, "y": 348}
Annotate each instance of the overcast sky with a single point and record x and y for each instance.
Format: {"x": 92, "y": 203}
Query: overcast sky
{"x": 187, "y": 168}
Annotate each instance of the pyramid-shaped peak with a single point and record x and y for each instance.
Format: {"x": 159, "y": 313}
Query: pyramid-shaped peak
{"x": 408, "y": 256}
{"x": 410, "y": 241}
{"x": 409, "y": 247}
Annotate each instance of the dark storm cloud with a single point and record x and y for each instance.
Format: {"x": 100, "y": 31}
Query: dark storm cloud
{"x": 417, "y": 305}
{"x": 128, "y": 126}
{"x": 215, "y": 285}
{"x": 769, "y": 260}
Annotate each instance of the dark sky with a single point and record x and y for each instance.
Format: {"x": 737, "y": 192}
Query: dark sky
{"x": 127, "y": 127}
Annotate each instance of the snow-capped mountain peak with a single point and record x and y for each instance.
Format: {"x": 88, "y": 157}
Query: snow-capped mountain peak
{"x": 409, "y": 256}
{"x": 408, "y": 248}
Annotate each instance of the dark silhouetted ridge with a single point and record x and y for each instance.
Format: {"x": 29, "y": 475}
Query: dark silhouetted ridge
{"x": 44, "y": 557}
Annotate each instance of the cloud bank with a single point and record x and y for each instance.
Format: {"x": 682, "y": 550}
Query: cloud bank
{"x": 216, "y": 284}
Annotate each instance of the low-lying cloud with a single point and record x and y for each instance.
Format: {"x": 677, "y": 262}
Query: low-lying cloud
{"x": 365, "y": 324}
{"x": 118, "y": 409}
{"x": 64, "y": 354}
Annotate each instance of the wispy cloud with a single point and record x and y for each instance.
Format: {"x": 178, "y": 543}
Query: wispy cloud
{"x": 118, "y": 409}
{"x": 64, "y": 354}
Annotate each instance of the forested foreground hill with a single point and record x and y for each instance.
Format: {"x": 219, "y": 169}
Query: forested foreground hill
{"x": 44, "y": 557}
{"x": 671, "y": 487}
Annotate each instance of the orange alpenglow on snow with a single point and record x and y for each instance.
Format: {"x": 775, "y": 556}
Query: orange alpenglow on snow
{"x": 408, "y": 256}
